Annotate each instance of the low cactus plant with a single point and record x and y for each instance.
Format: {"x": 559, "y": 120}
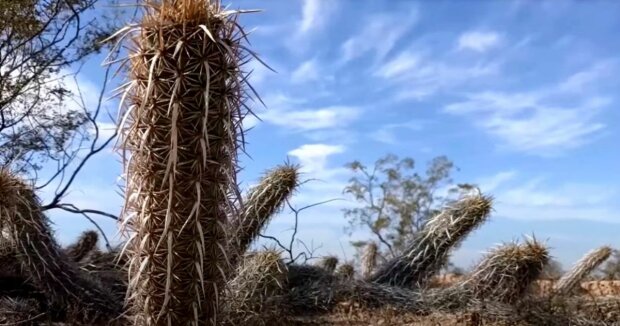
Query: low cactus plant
{"x": 429, "y": 251}
{"x": 582, "y": 268}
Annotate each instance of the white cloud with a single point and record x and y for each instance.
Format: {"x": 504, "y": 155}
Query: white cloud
{"x": 544, "y": 121}
{"x": 386, "y": 133}
{"x": 292, "y": 114}
{"x": 315, "y": 14}
{"x": 400, "y": 65}
{"x": 526, "y": 123}
{"x": 379, "y": 35}
{"x": 479, "y": 41}
{"x": 579, "y": 81}
{"x": 489, "y": 184}
{"x": 307, "y": 71}
{"x": 313, "y": 157}
{"x": 418, "y": 76}
{"x": 312, "y": 119}
{"x": 534, "y": 200}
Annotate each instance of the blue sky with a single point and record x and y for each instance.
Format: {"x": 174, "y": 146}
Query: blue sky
{"x": 521, "y": 95}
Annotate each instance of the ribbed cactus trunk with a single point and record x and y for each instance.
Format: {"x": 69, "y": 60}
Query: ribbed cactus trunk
{"x": 182, "y": 129}
{"x": 582, "y": 268}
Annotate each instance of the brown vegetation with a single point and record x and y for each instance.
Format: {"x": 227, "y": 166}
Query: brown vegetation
{"x": 187, "y": 262}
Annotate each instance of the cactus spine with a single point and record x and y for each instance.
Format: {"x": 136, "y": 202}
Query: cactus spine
{"x": 182, "y": 128}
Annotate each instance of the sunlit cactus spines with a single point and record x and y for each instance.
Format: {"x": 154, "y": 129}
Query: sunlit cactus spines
{"x": 181, "y": 129}
{"x": 581, "y": 269}
{"x": 429, "y": 251}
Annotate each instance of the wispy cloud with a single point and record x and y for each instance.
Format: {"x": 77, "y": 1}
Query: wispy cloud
{"x": 419, "y": 76}
{"x": 387, "y": 133}
{"x": 580, "y": 81}
{"x": 312, "y": 119}
{"x": 535, "y": 199}
{"x": 315, "y": 14}
{"x": 296, "y": 115}
{"x": 544, "y": 121}
{"x": 479, "y": 41}
{"x": 489, "y": 184}
{"x": 307, "y": 71}
{"x": 313, "y": 157}
{"x": 526, "y": 123}
{"x": 379, "y": 35}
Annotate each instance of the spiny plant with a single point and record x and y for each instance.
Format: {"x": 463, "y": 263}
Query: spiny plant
{"x": 506, "y": 272}
{"x": 85, "y": 244}
{"x": 181, "y": 126}
{"x": 430, "y": 248}
{"x": 263, "y": 201}
{"x": 581, "y": 269}
{"x": 261, "y": 276}
{"x": 329, "y": 263}
{"x": 68, "y": 290}
{"x": 345, "y": 271}
{"x": 369, "y": 259}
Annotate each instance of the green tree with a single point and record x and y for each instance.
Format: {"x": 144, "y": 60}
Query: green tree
{"x": 396, "y": 200}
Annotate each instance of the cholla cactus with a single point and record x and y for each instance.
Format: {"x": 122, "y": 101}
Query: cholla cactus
{"x": 329, "y": 263}
{"x": 86, "y": 243}
{"x": 506, "y": 272}
{"x": 181, "y": 127}
{"x": 262, "y": 203}
{"x": 345, "y": 271}
{"x": 369, "y": 259}
{"x": 430, "y": 249}
{"x": 66, "y": 288}
{"x": 582, "y": 268}
{"x": 261, "y": 276}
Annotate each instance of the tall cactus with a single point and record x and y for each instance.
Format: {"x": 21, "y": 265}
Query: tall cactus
{"x": 181, "y": 125}
{"x": 430, "y": 249}
{"x": 582, "y": 268}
